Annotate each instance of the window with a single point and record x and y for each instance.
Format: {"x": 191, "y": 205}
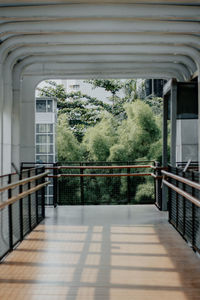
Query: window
{"x": 43, "y": 105}
{"x": 44, "y": 138}
{"x": 49, "y": 106}
{"x": 41, "y": 158}
{"x": 44, "y": 149}
{"x": 44, "y": 128}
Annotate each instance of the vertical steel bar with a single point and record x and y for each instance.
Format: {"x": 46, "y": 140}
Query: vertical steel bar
{"x": 36, "y": 197}
{"x": 21, "y": 210}
{"x": 29, "y": 203}
{"x": 128, "y": 186}
{"x": 169, "y": 198}
{"x": 177, "y": 204}
{"x": 55, "y": 185}
{"x": 184, "y": 208}
{"x": 43, "y": 195}
{"x": 82, "y": 188}
{"x": 193, "y": 215}
{"x": 10, "y": 222}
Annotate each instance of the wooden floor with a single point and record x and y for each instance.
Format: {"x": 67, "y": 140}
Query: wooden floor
{"x": 102, "y": 253}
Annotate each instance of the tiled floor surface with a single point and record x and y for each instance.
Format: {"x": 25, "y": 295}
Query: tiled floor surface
{"x": 102, "y": 253}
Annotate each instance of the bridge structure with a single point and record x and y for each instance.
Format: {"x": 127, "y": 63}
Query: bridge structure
{"x": 99, "y": 253}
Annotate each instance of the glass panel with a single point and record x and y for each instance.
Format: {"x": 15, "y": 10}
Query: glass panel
{"x": 50, "y": 138}
{"x": 42, "y": 128}
{"x": 41, "y": 106}
{"x": 41, "y": 149}
{"x": 49, "y": 128}
{"x": 50, "y": 149}
{"x": 50, "y": 158}
{"x": 49, "y": 105}
{"x": 50, "y": 190}
{"x": 44, "y": 139}
{"x": 41, "y": 139}
{"x": 41, "y": 158}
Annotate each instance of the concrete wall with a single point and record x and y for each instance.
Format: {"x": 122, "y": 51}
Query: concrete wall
{"x": 187, "y": 140}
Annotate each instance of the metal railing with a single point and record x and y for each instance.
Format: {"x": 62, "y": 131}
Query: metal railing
{"x": 184, "y": 203}
{"x": 85, "y": 183}
{"x": 21, "y": 206}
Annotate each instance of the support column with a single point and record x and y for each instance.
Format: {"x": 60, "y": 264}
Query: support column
{"x": 164, "y": 152}
{"x": 27, "y": 120}
{"x": 199, "y": 119}
{"x": 173, "y": 115}
{"x": 1, "y": 120}
{"x": 7, "y": 125}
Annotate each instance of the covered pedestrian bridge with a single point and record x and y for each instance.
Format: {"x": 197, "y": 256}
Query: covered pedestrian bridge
{"x": 108, "y": 253}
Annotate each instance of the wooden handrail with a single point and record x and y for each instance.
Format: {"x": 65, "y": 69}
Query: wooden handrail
{"x": 182, "y": 179}
{"x": 104, "y": 167}
{"x": 182, "y": 193}
{"x": 23, "y": 195}
{"x": 100, "y": 175}
{"x": 23, "y": 181}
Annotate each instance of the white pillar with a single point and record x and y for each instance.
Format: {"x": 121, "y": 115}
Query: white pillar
{"x": 27, "y": 120}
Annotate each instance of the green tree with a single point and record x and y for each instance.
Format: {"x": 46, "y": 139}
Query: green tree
{"x": 69, "y": 149}
{"x": 99, "y": 139}
{"x": 136, "y": 133}
{"x": 82, "y": 111}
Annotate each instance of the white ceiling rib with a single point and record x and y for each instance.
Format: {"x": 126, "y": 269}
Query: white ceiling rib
{"x": 99, "y": 39}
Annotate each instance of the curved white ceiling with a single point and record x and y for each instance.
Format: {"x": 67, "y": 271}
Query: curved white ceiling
{"x": 101, "y": 38}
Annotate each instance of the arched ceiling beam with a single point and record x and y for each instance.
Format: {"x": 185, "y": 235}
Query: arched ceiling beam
{"x": 136, "y": 49}
{"x": 93, "y": 68}
{"x": 33, "y": 40}
{"x": 52, "y": 70}
{"x": 133, "y": 58}
{"x": 96, "y": 26}
{"x": 45, "y": 2}
{"x": 69, "y": 11}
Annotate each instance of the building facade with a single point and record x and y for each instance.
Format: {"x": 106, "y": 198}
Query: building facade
{"x": 45, "y": 136}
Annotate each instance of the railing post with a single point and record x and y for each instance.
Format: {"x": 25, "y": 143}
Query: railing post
{"x": 184, "y": 208}
{"x": 158, "y": 184}
{"x": 29, "y": 203}
{"x": 10, "y": 215}
{"x": 177, "y": 206}
{"x": 128, "y": 186}
{"x": 21, "y": 209}
{"x": 36, "y": 197}
{"x": 82, "y": 186}
{"x": 193, "y": 215}
{"x": 43, "y": 196}
{"x": 55, "y": 184}
{"x": 169, "y": 199}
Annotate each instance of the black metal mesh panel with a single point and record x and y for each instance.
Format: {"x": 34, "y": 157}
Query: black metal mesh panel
{"x": 197, "y": 227}
{"x": 4, "y": 232}
{"x": 173, "y": 200}
{"x": 185, "y": 215}
{"x": 26, "y": 227}
{"x": 33, "y": 201}
{"x": 25, "y": 206}
{"x": 180, "y": 204}
{"x": 15, "y": 212}
{"x": 69, "y": 189}
{"x": 95, "y": 190}
{"x": 16, "y": 222}
{"x": 188, "y": 211}
{"x": 17, "y": 219}
{"x": 196, "y": 212}
{"x": 4, "y": 224}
